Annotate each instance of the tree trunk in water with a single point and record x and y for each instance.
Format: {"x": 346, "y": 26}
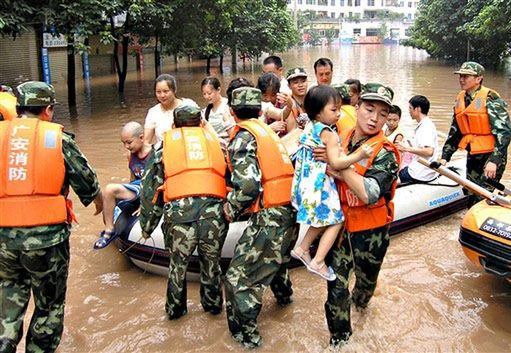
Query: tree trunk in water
{"x": 208, "y": 65}
{"x": 222, "y": 63}
{"x": 71, "y": 72}
{"x": 124, "y": 71}
{"x": 234, "y": 59}
{"x": 156, "y": 58}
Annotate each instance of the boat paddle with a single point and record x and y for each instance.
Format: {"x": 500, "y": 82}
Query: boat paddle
{"x": 498, "y": 199}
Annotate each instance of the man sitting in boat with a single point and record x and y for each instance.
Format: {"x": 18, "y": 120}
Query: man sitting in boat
{"x": 132, "y": 137}
{"x": 186, "y": 180}
{"x": 424, "y": 144}
{"x": 261, "y": 178}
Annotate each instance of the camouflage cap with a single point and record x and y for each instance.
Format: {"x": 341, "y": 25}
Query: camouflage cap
{"x": 470, "y": 68}
{"x": 246, "y": 97}
{"x": 295, "y": 72}
{"x": 343, "y": 89}
{"x": 377, "y": 92}
{"x": 35, "y": 94}
{"x": 187, "y": 115}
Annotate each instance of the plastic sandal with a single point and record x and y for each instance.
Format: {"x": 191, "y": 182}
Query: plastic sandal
{"x": 102, "y": 242}
{"x": 300, "y": 256}
{"x": 329, "y": 275}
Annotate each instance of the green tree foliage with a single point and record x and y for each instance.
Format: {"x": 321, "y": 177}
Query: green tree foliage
{"x": 17, "y": 16}
{"x": 457, "y": 30}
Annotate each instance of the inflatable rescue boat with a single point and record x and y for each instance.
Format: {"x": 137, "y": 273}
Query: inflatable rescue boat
{"x": 415, "y": 205}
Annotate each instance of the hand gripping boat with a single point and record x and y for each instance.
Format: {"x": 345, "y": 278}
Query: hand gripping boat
{"x": 485, "y": 232}
{"x": 415, "y": 205}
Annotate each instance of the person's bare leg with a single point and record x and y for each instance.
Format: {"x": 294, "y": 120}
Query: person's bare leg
{"x": 111, "y": 194}
{"x": 303, "y": 249}
{"x": 325, "y": 243}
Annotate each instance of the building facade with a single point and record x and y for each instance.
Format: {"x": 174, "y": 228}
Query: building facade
{"x": 355, "y": 20}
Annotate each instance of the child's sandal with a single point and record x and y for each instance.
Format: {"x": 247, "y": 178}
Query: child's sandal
{"x": 301, "y": 255}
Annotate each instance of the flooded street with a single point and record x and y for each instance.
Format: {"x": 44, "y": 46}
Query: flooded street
{"x": 429, "y": 298}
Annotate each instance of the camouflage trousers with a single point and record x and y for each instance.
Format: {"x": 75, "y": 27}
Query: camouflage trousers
{"x": 208, "y": 236}
{"x": 475, "y": 173}
{"x": 369, "y": 248}
{"x": 44, "y": 272}
{"x": 261, "y": 259}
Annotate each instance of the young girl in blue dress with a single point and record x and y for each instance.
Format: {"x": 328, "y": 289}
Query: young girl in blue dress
{"x": 314, "y": 193}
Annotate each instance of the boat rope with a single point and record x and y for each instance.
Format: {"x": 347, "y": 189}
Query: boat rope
{"x": 142, "y": 241}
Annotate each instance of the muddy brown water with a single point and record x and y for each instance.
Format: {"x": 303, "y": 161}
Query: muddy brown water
{"x": 429, "y": 298}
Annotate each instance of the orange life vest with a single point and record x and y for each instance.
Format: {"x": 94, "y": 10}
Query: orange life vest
{"x": 7, "y": 106}
{"x": 358, "y": 215}
{"x": 474, "y": 123}
{"x": 194, "y": 164}
{"x": 32, "y": 173}
{"x": 348, "y": 118}
{"x": 276, "y": 167}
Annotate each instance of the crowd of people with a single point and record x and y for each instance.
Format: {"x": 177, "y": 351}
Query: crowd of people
{"x": 278, "y": 152}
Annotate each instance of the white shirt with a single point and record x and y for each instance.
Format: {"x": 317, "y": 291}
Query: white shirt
{"x": 284, "y": 86}
{"x": 221, "y": 119}
{"x": 161, "y": 120}
{"x": 425, "y": 136}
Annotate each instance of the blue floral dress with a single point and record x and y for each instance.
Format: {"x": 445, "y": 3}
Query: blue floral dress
{"x": 314, "y": 193}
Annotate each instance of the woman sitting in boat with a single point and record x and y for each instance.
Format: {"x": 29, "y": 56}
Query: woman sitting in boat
{"x": 217, "y": 111}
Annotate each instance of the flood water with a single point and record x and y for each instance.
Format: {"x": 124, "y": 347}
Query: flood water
{"x": 429, "y": 298}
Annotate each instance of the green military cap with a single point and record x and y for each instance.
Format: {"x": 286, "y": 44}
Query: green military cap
{"x": 295, "y": 72}
{"x": 377, "y": 92}
{"x": 187, "y": 115}
{"x": 343, "y": 89}
{"x": 35, "y": 94}
{"x": 246, "y": 97}
{"x": 470, "y": 68}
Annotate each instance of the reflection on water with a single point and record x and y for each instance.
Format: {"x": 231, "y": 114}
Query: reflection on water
{"x": 429, "y": 297}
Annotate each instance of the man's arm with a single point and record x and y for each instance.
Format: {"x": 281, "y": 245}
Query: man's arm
{"x": 246, "y": 175}
{"x": 500, "y": 127}
{"x": 153, "y": 178}
{"x": 80, "y": 175}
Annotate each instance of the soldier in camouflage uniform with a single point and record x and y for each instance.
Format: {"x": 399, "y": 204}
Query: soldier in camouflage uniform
{"x": 491, "y": 164}
{"x": 262, "y": 255}
{"x": 37, "y": 258}
{"x": 362, "y": 251}
{"x": 189, "y": 222}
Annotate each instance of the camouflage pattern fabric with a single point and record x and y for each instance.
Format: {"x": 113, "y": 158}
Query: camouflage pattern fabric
{"x": 36, "y": 259}
{"x": 188, "y": 223}
{"x": 181, "y": 239}
{"x": 501, "y": 129}
{"x": 470, "y": 68}
{"x": 367, "y": 250}
{"x": 261, "y": 257}
{"x": 246, "y": 97}
{"x": 44, "y": 272}
{"x": 187, "y": 114}
{"x": 35, "y": 94}
{"x": 377, "y": 92}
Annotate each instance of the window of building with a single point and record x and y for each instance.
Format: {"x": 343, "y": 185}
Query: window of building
{"x": 341, "y": 15}
{"x": 310, "y": 2}
{"x": 322, "y": 2}
{"x": 299, "y": 2}
{"x": 410, "y": 4}
{"x": 350, "y": 2}
{"x": 401, "y": 4}
{"x": 370, "y": 14}
{"x": 341, "y": 2}
{"x": 332, "y": 2}
{"x": 332, "y": 14}
{"x": 372, "y": 32}
{"x": 408, "y": 32}
{"x": 356, "y": 15}
{"x": 370, "y": 2}
{"x": 357, "y": 2}
{"x": 357, "y": 31}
